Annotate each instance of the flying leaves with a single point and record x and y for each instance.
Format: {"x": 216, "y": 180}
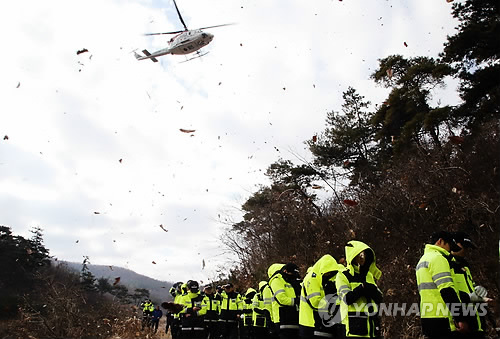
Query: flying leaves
{"x": 455, "y": 139}
{"x": 203, "y": 264}
{"x": 187, "y": 130}
{"x": 117, "y": 280}
{"x": 350, "y": 202}
{"x": 84, "y": 50}
{"x": 153, "y": 262}
{"x": 163, "y": 228}
{"x": 172, "y": 307}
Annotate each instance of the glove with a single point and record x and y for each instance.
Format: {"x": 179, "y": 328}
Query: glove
{"x": 354, "y": 295}
{"x": 475, "y": 298}
{"x": 372, "y": 292}
{"x": 480, "y": 291}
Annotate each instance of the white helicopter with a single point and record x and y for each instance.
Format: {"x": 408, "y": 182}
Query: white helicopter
{"x": 185, "y": 42}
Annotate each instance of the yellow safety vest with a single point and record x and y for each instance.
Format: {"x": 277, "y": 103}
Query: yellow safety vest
{"x": 434, "y": 274}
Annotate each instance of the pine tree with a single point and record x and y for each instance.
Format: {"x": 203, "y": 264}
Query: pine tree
{"x": 474, "y": 52}
{"x": 348, "y": 140}
{"x": 38, "y": 251}
{"x": 87, "y": 279}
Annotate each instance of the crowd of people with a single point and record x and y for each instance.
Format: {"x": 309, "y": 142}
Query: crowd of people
{"x": 333, "y": 299}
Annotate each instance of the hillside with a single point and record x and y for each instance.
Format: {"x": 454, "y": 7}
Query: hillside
{"x": 158, "y": 290}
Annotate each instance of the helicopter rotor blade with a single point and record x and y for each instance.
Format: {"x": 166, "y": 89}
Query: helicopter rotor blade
{"x": 216, "y": 26}
{"x": 164, "y": 33}
{"x": 180, "y": 16}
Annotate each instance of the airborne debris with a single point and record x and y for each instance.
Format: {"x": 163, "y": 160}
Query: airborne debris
{"x": 18, "y": 84}
{"x": 153, "y": 262}
{"x": 117, "y": 280}
{"x": 203, "y": 264}
{"x": 187, "y": 130}
{"x": 97, "y": 212}
{"x": 6, "y": 137}
{"x": 82, "y": 51}
{"x": 350, "y": 202}
{"x": 406, "y": 45}
{"x": 172, "y": 307}
{"x": 161, "y": 226}
{"x": 455, "y": 139}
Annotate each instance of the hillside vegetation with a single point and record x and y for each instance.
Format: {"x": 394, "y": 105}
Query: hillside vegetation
{"x": 42, "y": 298}
{"x": 158, "y": 290}
{"x": 398, "y": 171}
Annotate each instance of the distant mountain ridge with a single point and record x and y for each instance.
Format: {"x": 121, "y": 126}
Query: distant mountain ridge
{"x": 158, "y": 290}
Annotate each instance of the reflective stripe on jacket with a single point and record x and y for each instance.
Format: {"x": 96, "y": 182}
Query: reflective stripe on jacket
{"x": 434, "y": 274}
{"x": 211, "y": 303}
{"x": 285, "y": 310}
{"x": 465, "y": 285}
{"x": 231, "y": 306}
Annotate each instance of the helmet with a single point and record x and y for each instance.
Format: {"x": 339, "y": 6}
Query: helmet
{"x": 193, "y": 286}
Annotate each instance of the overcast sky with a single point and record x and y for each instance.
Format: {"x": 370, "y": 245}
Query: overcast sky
{"x": 262, "y": 90}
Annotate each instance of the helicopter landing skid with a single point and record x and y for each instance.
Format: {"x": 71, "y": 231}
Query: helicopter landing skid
{"x": 199, "y": 55}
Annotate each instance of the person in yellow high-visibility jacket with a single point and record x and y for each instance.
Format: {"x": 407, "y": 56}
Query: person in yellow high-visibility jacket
{"x": 230, "y": 312}
{"x": 267, "y": 293}
{"x": 318, "y": 303}
{"x": 192, "y": 316}
{"x": 471, "y": 295}
{"x": 212, "y": 304}
{"x": 246, "y": 321}
{"x": 261, "y": 313}
{"x": 358, "y": 292}
{"x": 440, "y": 306}
{"x": 285, "y": 286}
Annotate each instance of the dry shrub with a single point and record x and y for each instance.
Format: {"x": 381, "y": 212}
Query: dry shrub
{"x": 59, "y": 308}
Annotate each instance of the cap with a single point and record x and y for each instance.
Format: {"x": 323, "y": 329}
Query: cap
{"x": 192, "y": 284}
{"x": 228, "y": 285}
{"x": 446, "y": 236}
{"x": 207, "y": 286}
{"x": 464, "y": 239}
{"x": 291, "y": 267}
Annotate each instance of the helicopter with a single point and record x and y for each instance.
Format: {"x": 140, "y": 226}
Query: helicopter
{"x": 185, "y": 42}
